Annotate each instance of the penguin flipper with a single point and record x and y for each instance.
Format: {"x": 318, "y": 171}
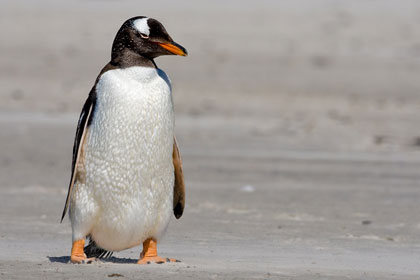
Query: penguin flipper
{"x": 82, "y": 127}
{"x": 179, "y": 185}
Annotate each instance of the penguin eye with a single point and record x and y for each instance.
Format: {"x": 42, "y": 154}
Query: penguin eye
{"x": 144, "y": 36}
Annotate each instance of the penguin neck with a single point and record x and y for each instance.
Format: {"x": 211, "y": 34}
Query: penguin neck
{"x": 127, "y": 58}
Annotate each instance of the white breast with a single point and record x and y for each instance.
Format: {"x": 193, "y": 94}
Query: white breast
{"x": 128, "y": 156}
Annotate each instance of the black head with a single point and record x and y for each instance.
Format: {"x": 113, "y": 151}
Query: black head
{"x": 146, "y": 37}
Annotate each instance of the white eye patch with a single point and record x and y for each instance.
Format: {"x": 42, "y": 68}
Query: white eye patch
{"x": 142, "y": 26}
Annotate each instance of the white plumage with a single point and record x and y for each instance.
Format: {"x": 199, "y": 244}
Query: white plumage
{"x": 142, "y": 26}
{"x": 124, "y": 188}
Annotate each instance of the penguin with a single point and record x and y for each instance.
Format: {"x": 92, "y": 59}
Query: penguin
{"x": 126, "y": 176}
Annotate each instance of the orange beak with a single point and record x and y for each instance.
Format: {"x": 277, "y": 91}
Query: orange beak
{"x": 174, "y": 48}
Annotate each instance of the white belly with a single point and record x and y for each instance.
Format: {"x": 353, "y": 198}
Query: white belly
{"x": 128, "y": 157}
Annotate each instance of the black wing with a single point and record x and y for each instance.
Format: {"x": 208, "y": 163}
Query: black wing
{"x": 82, "y": 126}
{"x": 179, "y": 185}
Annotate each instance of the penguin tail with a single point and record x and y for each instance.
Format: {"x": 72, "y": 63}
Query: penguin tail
{"x": 92, "y": 250}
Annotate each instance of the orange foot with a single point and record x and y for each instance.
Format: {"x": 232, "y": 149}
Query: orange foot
{"x": 149, "y": 254}
{"x": 77, "y": 253}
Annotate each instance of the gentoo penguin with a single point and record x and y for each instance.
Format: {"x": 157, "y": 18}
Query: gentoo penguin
{"x": 126, "y": 174}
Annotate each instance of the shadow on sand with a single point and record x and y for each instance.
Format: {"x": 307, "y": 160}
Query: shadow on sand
{"x": 66, "y": 259}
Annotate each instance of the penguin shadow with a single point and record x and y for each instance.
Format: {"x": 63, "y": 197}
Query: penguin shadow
{"x": 63, "y": 259}
{"x": 66, "y": 259}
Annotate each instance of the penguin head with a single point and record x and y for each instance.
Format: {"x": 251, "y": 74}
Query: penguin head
{"x": 146, "y": 37}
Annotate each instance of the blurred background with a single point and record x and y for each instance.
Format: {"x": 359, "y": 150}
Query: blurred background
{"x": 297, "y": 122}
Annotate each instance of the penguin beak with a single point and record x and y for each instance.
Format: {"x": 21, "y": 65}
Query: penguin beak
{"x": 174, "y": 48}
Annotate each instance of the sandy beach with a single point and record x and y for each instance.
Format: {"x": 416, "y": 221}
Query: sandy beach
{"x": 297, "y": 122}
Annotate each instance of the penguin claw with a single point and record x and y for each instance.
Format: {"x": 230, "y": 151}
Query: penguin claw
{"x": 157, "y": 260}
{"x": 149, "y": 253}
{"x": 90, "y": 260}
